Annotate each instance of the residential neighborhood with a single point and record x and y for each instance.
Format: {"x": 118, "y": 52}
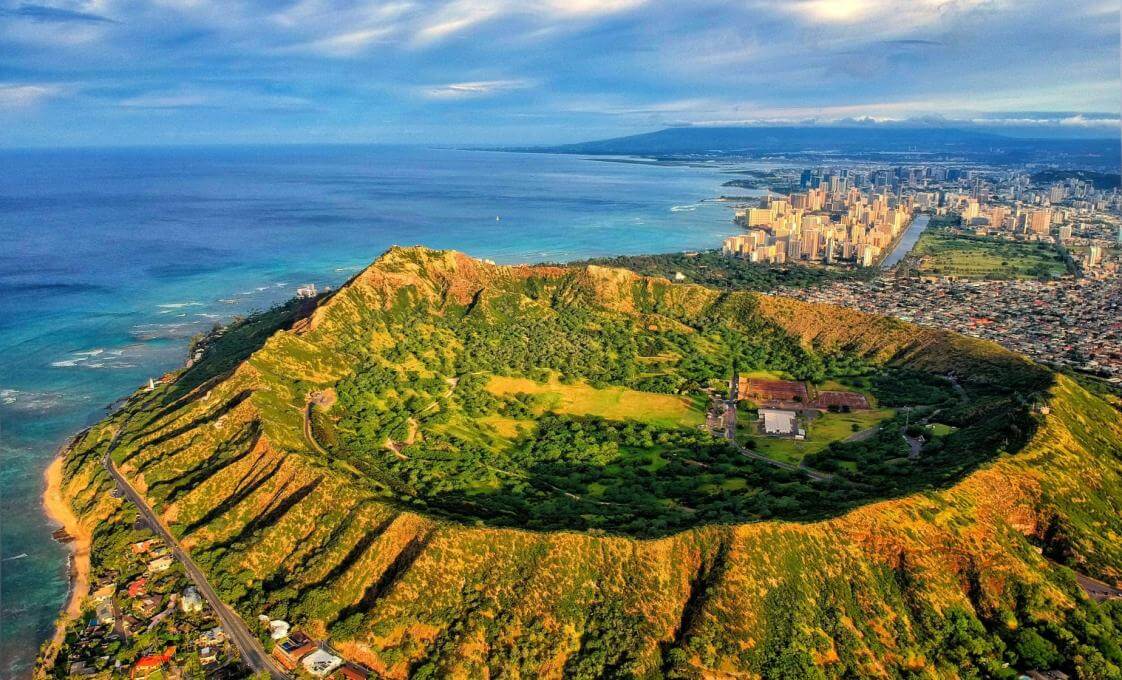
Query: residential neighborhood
{"x": 143, "y": 618}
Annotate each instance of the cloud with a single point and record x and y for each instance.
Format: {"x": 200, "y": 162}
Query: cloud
{"x": 166, "y": 101}
{"x": 884, "y": 14}
{"x": 45, "y": 13}
{"x": 21, "y": 96}
{"x": 472, "y": 89}
{"x": 1078, "y": 120}
{"x": 459, "y": 15}
{"x": 342, "y": 44}
{"x": 457, "y": 69}
{"x": 214, "y": 99}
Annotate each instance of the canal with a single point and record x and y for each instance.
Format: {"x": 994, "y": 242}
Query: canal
{"x": 907, "y": 241}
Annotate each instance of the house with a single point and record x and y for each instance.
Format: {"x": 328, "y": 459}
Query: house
{"x": 104, "y": 612}
{"x": 151, "y": 664}
{"x": 212, "y": 638}
{"x": 191, "y": 600}
{"x": 104, "y": 592}
{"x": 208, "y": 656}
{"x": 779, "y": 422}
{"x": 321, "y": 663}
{"x": 290, "y": 650}
{"x": 161, "y": 563}
{"x": 351, "y": 671}
{"x": 142, "y": 547}
{"x": 148, "y": 606}
{"x": 138, "y": 587}
{"x": 131, "y": 623}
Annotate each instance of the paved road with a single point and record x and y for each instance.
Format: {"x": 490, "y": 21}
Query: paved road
{"x": 253, "y": 654}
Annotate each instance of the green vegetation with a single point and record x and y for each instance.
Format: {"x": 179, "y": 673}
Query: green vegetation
{"x": 461, "y": 404}
{"x": 713, "y": 268}
{"x": 613, "y": 403}
{"x": 947, "y": 253}
{"x": 534, "y": 405}
{"x": 821, "y": 431}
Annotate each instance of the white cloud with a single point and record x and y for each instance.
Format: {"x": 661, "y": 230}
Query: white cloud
{"x": 165, "y": 101}
{"x": 21, "y": 96}
{"x": 888, "y": 14}
{"x": 472, "y": 89}
{"x": 1078, "y": 120}
{"x": 460, "y": 15}
{"x": 214, "y": 98}
{"x": 1082, "y": 121}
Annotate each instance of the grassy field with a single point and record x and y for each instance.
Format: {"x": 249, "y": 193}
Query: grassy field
{"x": 825, "y": 429}
{"x": 944, "y": 253}
{"x": 942, "y": 430}
{"x": 613, "y": 403}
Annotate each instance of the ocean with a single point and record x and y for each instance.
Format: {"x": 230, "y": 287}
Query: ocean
{"x": 112, "y": 259}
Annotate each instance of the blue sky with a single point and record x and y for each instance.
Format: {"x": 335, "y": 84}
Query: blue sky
{"x": 109, "y": 72}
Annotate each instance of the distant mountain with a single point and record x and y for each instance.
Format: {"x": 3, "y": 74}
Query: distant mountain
{"x": 731, "y": 141}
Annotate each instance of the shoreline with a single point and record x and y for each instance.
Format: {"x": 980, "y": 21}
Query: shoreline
{"x": 78, "y": 561}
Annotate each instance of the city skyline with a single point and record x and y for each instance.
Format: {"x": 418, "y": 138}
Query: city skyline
{"x": 107, "y": 72}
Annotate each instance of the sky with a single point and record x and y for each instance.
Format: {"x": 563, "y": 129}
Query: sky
{"x": 461, "y": 72}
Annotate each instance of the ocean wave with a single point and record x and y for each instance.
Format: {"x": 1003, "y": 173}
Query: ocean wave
{"x": 101, "y": 358}
{"x": 33, "y": 402}
{"x": 179, "y": 305}
{"x": 683, "y": 208}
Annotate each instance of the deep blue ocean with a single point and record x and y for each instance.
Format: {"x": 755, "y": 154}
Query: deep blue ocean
{"x": 110, "y": 260}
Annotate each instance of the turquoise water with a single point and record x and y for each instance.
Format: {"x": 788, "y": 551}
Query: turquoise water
{"x": 112, "y": 259}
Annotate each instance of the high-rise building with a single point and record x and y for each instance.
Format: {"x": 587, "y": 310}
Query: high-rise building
{"x": 1094, "y": 256}
{"x": 1039, "y": 221}
{"x": 970, "y": 211}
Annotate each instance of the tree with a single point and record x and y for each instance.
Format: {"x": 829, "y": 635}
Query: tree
{"x": 1034, "y": 651}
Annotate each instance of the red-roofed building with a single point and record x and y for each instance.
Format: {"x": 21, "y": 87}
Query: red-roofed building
{"x": 838, "y": 399}
{"x": 351, "y": 671}
{"x": 768, "y": 391}
{"x": 151, "y": 664}
{"x": 138, "y": 587}
{"x": 143, "y": 546}
{"x": 290, "y": 650}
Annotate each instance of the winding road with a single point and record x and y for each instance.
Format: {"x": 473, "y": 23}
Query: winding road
{"x": 253, "y": 653}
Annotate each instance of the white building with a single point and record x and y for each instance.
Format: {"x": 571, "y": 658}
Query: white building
{"x": 191, "y": 600}
{"x": 779, "y": 421}
{"x": 321, "y": 663}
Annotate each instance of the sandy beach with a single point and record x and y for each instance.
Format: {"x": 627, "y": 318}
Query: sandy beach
{"x": 58, "y": 510}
